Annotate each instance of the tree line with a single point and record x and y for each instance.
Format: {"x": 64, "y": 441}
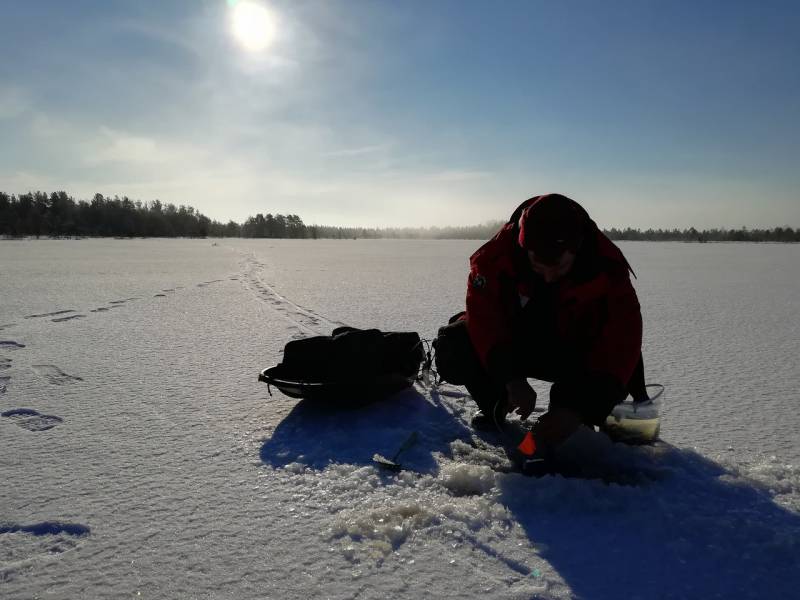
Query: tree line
{"x": 776, "y": 234}
{"x": 59, "y": 215}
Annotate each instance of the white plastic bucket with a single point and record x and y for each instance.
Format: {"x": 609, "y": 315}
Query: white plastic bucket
{"x": 637, "y": 422}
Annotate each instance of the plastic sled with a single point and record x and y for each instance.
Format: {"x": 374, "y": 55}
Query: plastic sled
{"x": 345, "y": 392}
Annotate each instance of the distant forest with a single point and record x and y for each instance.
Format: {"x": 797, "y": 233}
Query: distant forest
{"x": 59, "y": 215}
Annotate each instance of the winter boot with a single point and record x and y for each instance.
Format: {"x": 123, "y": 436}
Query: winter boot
{"x": 490, "y": 420}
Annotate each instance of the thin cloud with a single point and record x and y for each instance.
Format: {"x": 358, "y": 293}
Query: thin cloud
{"x": 115, "y": 146}
{"x": 453, "y": 175}
{"x": 193, "y": 46}
{"x": 364, "y": 150}
{"x": 14, "y": 102}
{"x": 47, "y": 128}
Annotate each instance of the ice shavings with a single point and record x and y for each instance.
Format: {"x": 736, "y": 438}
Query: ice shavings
{"x": 382, "y": 529}
{"x": 295, "y": 467}
{"x": 456, "y": 504}
{"x": 480, "y": 453}
{"x": 465, "y": 479}
{"x": 772, "y": 475}
{"x": 527, "y": 589}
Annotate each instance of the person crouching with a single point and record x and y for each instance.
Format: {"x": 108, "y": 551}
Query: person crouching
{"x": 549, "y": 297}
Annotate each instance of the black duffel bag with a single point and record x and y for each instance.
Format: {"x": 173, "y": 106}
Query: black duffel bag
{"x": 455, "y": 357}
{"x": 349, "y": 367}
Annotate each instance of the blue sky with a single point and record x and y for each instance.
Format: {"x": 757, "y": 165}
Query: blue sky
{"x": 649, "y": 113}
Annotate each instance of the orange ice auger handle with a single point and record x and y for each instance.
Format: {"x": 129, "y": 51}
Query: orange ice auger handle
{"x": 528, "y": 445}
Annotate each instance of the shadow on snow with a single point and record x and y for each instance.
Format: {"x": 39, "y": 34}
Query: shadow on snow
{"x": 688, "y": 529}
{"x": 317, "y": 435}
{"x": 696, "y": 532}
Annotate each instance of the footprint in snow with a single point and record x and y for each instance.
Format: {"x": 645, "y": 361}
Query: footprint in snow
{"x": 69, "y": 318}
{"x": 32, "y": 420}
{"x": 51, "y": 314}
{"x": 4, "y": 384}
{"x": 47, "y": 528}
{"x": 205, "y": 283}
{"x": 22, "y": 543}
{"x": 10, "y": 345}
{"x": 54, "y": 375}
{"x": 124, "y": 300}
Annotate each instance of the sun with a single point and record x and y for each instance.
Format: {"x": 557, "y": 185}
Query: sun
{"x": 253, "y": 25}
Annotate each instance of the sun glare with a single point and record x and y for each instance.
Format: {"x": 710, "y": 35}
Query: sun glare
{"x": 254, "y": 26}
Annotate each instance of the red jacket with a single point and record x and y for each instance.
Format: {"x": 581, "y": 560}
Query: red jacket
{"x": 593, "y": 311}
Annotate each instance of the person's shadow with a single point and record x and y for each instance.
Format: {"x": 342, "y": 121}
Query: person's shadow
{"x": 315, "y": 435}
{"x": 691, "y": 529}
{"x": 683, "y": 527}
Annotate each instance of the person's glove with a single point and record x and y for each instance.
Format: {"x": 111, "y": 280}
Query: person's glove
{"x": 521, "y": 397}
{"x": 556, "y": 425}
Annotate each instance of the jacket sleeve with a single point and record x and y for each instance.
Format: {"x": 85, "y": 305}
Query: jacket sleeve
{"x": 490, "y": 297}
{"x": 619, "y": 345}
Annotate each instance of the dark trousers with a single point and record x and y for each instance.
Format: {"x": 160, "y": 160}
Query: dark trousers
{"x": 591, "y": 395}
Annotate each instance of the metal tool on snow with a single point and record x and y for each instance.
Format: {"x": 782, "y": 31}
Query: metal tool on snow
{"x": 393, "y": 465}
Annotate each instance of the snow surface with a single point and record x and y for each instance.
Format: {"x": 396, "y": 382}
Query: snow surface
{"x": 140, "y": 457}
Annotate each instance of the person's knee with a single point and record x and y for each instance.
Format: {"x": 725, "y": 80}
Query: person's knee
{"x": 593, "y": 396}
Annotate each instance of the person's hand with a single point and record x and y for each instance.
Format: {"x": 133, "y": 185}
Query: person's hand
{"x": 521, "y": 397}
{"x": 556, "y": 425}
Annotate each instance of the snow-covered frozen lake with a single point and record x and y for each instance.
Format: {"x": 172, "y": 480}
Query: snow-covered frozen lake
{"x": 139, "y": 456}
